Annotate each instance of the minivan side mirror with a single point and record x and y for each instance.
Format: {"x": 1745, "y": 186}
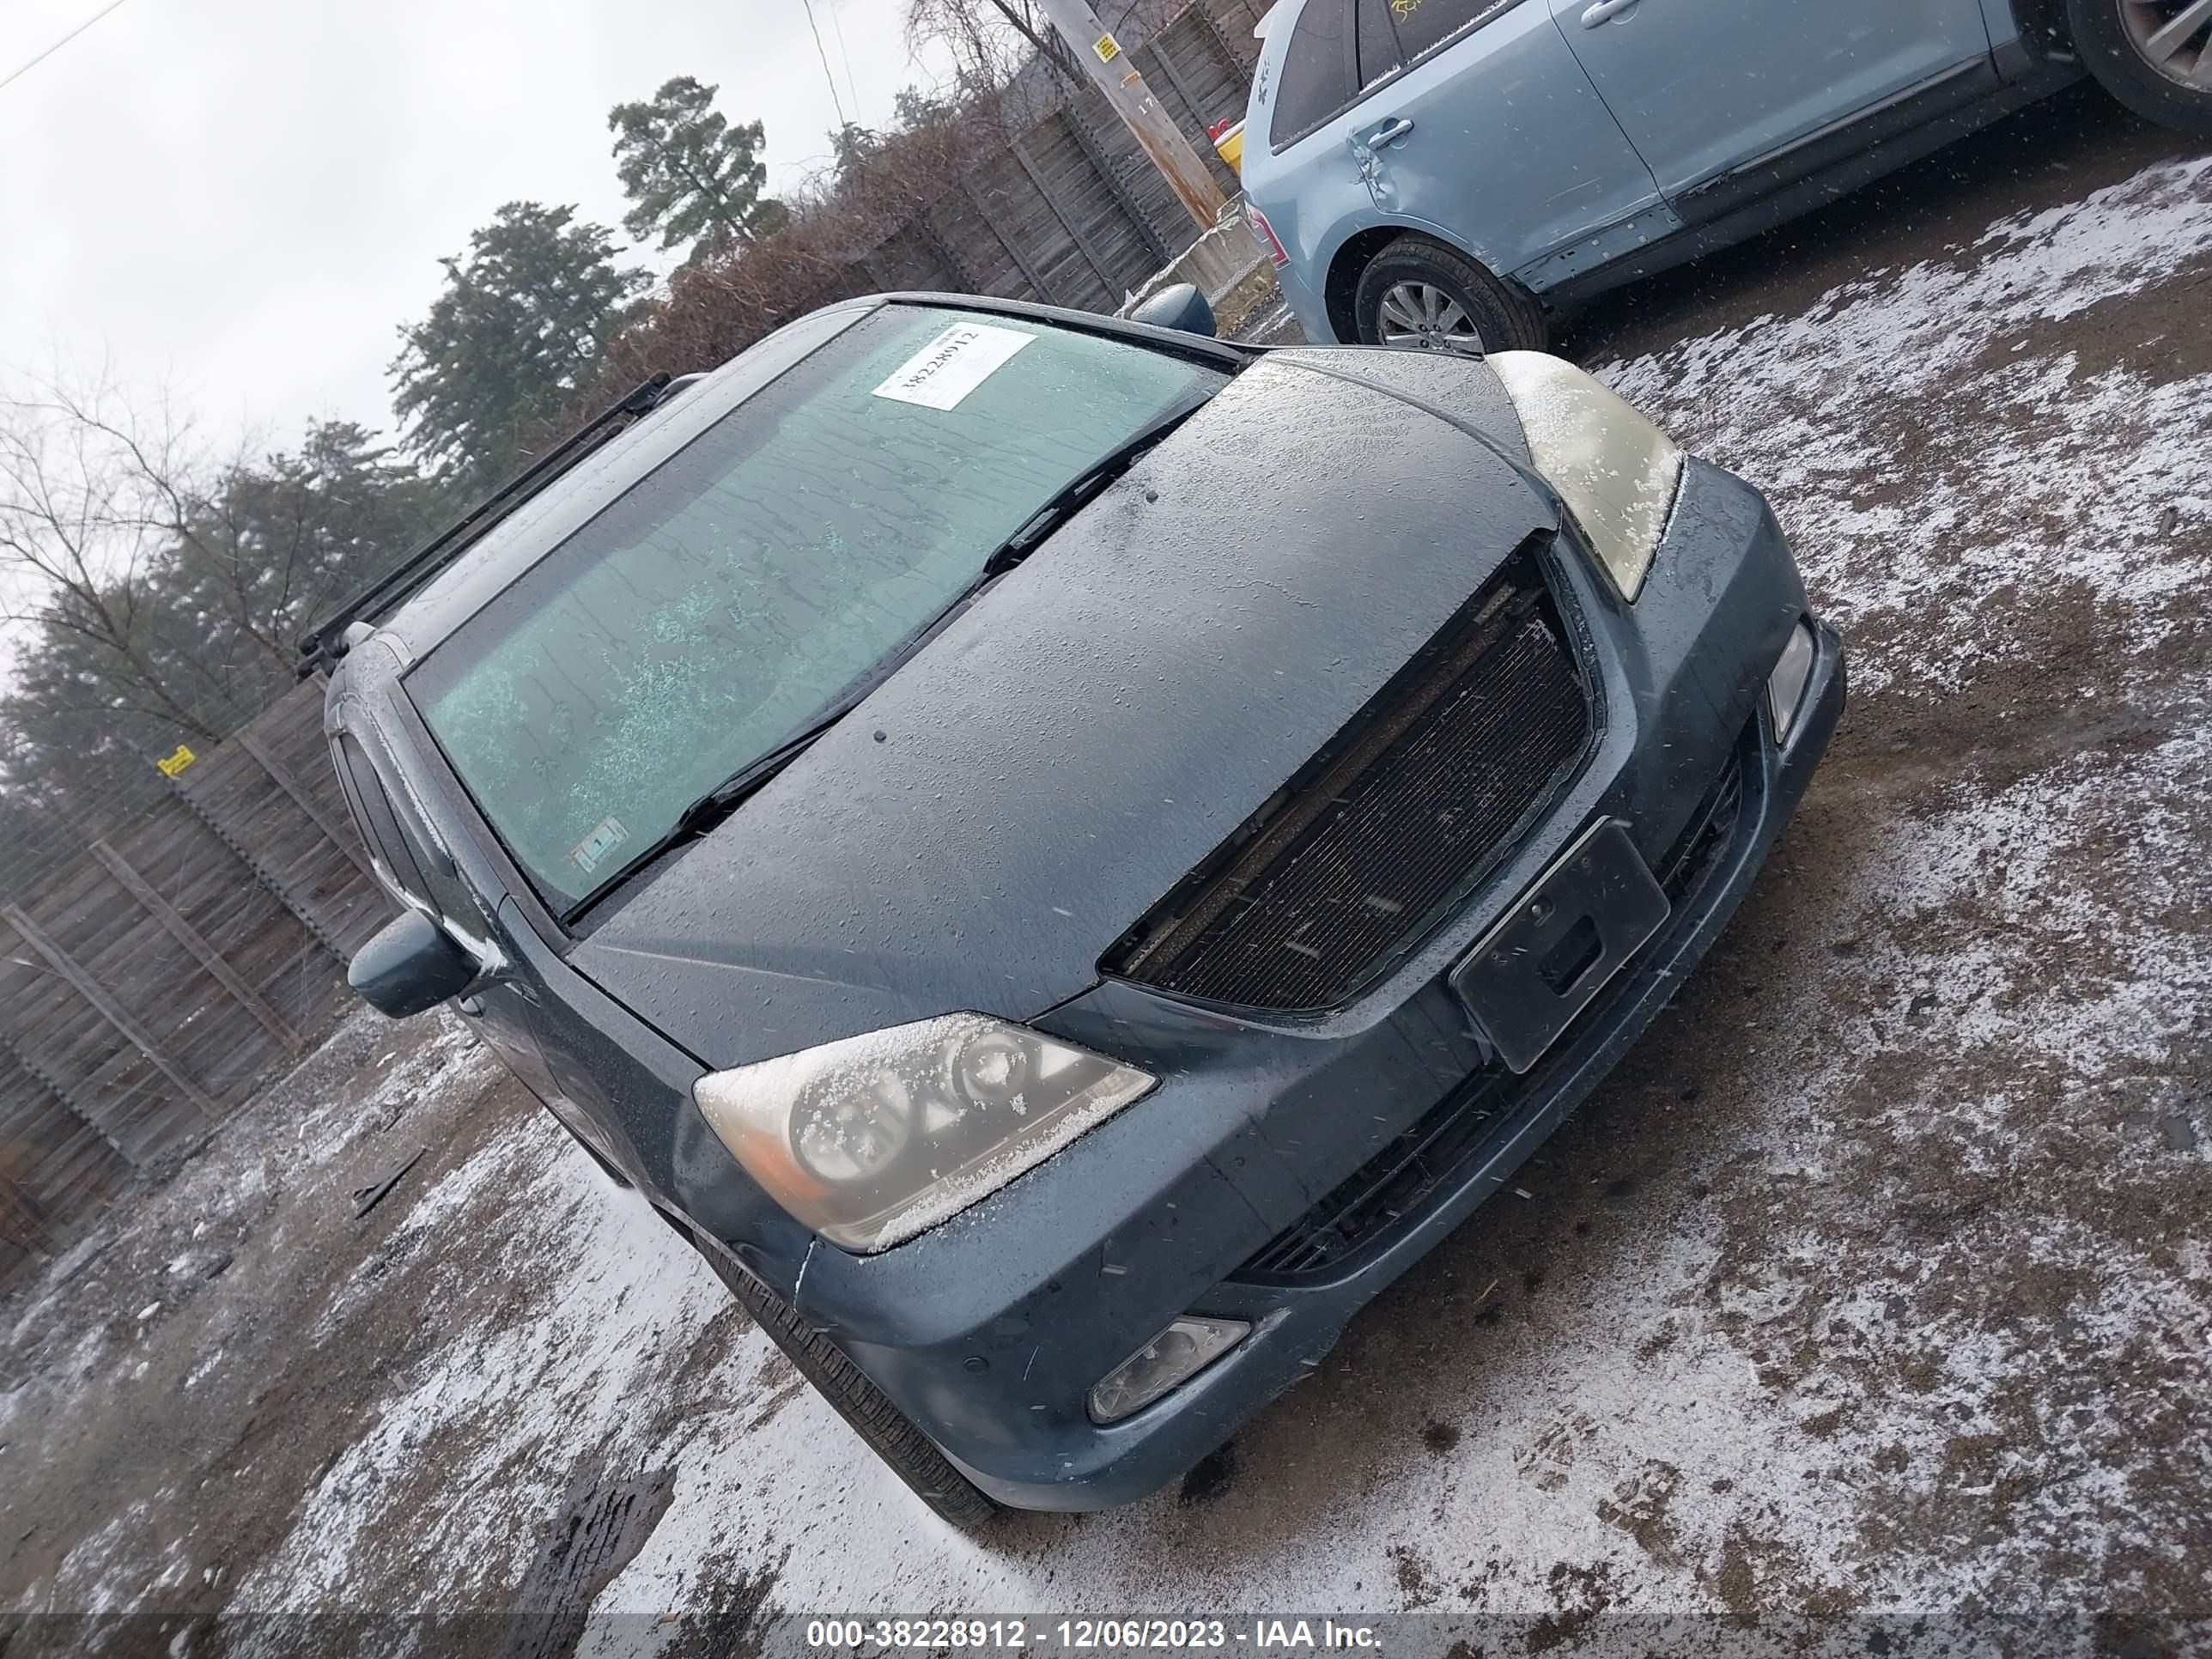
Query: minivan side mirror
{"x": 1177, "y": 305}
{"x": 409, "y": 965}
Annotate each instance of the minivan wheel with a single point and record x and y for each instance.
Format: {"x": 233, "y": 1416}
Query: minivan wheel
{"x": 891, "y": 1434}
{"x": 2155, "y": 56}
{"x": 1419, "y": 295}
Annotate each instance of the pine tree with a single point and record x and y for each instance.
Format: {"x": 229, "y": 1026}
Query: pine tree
{"x": 692, "y": 177}
{"x": 520, "y": 321}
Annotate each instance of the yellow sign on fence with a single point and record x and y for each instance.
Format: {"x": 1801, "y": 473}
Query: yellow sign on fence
{"x": 177, "y": 763}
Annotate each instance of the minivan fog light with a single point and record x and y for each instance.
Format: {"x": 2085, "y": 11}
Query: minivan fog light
{"x": 1785, "y": 686}
{"x": 1175, "y": 1355}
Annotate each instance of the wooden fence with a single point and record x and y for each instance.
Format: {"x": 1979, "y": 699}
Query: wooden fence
{"x": 1073, "y": 213}
{"x": 150, "y": 985}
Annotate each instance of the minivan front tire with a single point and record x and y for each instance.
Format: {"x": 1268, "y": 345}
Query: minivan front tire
{"x": 2119, "y": 43}
{"x": 1417, "y": 294}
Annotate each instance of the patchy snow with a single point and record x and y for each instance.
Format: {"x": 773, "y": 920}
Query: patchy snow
{"x": 458, "y": 1188}
{"x": 115, "y": 1570}
{"x": 2018, "y": 862}
{"x": 500, "y": 1415}
{"x": 1655, "y": 1430}
{"x": 451, "y": 1059}
{"x": 2027, "y": 468}
{"x": 57, "y": 1273}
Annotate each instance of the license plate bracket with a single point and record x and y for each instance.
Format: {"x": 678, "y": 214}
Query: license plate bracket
{"x": 1594, "y": 908}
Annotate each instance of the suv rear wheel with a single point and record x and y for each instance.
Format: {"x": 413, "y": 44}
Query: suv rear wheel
{"x": 891, "y": 1434}
{"x": 1419, "y": 295}
{"x": 2155, "y": 56}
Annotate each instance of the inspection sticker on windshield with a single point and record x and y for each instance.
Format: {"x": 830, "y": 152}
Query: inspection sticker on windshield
{"x": 591, "y": 852}
{"x": 952, "y": 365}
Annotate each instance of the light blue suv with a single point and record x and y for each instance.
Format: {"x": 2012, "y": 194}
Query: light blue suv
{"x": 1440, "y": 175}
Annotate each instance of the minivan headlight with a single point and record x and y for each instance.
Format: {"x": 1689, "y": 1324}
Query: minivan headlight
{"x": 1616, "y": 473}
{"x": 875, "y": 1139}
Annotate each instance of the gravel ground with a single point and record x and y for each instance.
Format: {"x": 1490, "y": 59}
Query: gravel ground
{"x": 1874, "y": 1282}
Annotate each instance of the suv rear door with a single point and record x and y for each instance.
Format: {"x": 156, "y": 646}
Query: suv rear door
{"x": 1296, "y": 168}
{"x": 1706, "y": 85}
{"x": 1476, "y": 118}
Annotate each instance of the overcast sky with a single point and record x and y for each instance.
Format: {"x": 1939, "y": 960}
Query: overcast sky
{"x": 243, "y": 198}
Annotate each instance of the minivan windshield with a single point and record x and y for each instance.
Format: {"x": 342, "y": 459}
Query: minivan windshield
{"x": 722, "y": 603}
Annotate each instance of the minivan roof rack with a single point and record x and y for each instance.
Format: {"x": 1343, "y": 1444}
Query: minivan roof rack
{"x": 333, "y": 637}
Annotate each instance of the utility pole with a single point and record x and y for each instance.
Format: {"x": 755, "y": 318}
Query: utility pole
{"x": 1116, "y": 76}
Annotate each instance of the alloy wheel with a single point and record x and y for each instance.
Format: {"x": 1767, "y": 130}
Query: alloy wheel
{"x": 1422, "y": 316}
{"x": 2173, "y": 37}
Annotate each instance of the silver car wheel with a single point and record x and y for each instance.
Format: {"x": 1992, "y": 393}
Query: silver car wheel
{"x": 1422, "y": 316}
{"x": 2173, "y": 37}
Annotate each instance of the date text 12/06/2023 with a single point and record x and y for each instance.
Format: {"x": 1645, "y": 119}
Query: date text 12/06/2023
{"x": 1251, "y": 1635}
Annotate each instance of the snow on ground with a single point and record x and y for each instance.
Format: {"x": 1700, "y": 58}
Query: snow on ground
{"x": 499, "y": 1412}
{"x": 1927, "y": 444}
{"x": 1574, "y": 1438}
{"x": 88, "y": 1576}
{"x": 223, "y": 1196}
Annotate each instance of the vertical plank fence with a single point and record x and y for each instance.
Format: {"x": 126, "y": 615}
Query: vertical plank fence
{"x": 1072, "y": 212}
{"x": 149, "y": 986}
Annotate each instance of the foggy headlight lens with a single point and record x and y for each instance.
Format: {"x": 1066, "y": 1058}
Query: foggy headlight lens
{"x": 848, "y": 1135}
{"x": 1616, "y": 471}
{"x": 873, "y": 1139}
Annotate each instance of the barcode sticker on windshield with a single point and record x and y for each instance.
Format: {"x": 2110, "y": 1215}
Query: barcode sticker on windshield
{"x": 592, "y": 850}
{"x": 952, "y": 365}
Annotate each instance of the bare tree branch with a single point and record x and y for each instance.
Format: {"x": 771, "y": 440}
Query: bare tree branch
{"x": 151, "y": 591}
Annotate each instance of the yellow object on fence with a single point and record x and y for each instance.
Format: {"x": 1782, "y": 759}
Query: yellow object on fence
{"x": 1230, "y": 144}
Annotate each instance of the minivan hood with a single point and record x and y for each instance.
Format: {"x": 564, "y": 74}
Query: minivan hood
{"x": 978, "y": 831}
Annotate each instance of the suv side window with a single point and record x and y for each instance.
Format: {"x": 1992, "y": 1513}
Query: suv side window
{"x": 1424, "y": 25}
{"x": 1378, "y": 42}
{"x": 1316, "y": 80}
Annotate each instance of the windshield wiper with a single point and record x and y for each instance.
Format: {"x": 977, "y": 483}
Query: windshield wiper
{"x": 1080, "y": 489}
{"x": 725, "y": 798}
{"x": 717, "y": 804}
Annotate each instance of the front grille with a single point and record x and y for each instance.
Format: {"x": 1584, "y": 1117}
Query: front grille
{"x": 1419, "y": 796}
{"x": 1398, "y": 1180}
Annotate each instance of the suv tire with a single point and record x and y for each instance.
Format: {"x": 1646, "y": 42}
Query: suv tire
{"x": 2112, "y": 36}
{"x": 890, "y": 1433}
{"x": 1432, "y": 297}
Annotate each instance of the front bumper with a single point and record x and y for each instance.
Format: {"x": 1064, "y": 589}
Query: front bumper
{"x": 1287, "y": 1170}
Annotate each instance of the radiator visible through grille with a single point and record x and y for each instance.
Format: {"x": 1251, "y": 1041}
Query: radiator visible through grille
{"x": 1417, "y": 798}
{"x": 1393, "y": 1189}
